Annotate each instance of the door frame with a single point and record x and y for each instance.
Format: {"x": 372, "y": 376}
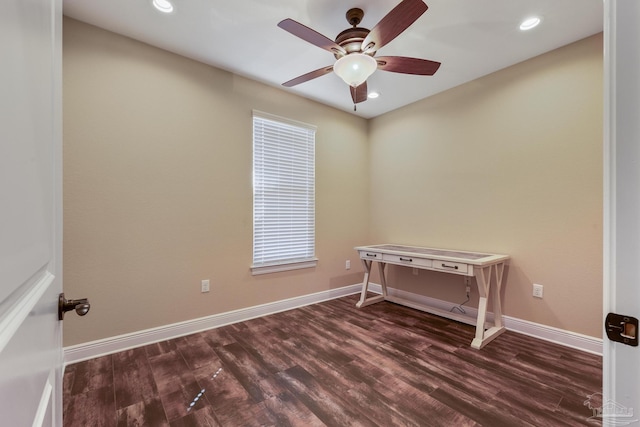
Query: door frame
{"x": 621, "y": 203}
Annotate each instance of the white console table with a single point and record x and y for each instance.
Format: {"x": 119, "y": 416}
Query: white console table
{"x": 478, "y": 265}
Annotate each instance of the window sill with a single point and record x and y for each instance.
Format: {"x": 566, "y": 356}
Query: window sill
{"x": 284, "y": 266}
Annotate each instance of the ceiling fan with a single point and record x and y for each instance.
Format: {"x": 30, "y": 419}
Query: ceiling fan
{"x": 355, "y": 48}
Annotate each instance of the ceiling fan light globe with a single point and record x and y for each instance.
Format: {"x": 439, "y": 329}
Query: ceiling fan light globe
{"x": 355, "y": 68}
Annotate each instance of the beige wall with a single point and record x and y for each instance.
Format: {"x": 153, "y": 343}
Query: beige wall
{"x": 157, "y": 195}
{"x": 509, "y": 163}
{"x": 157, "y": 187}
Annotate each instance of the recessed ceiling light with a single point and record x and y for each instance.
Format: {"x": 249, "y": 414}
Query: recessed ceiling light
{"x": 164, "y": 6}
{"x": 530, "y": 23}
{"x": 373, "y": 95}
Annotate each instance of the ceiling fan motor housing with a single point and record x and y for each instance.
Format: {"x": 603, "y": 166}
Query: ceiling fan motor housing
{"x": 351, "y": 40}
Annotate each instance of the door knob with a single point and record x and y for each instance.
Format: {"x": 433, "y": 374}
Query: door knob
{"x": 81, "y": 306}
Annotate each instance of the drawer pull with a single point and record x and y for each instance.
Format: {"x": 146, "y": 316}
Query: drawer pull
{"x": 406, "y": 259}
{"x": 373, "y": 255}
{"x": 449, "y": 266}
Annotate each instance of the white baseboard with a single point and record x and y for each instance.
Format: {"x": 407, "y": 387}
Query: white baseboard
{"x": 559, "y": 336}
{"x": 548, "y": 333}
{"x": 90, "y": 350}
{"x": 93, "y": 349}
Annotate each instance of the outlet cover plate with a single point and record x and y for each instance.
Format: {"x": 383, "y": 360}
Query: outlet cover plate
{"x": 538, "y": 290}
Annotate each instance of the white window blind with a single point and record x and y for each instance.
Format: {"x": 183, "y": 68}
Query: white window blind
{"x": 283, "y": 194}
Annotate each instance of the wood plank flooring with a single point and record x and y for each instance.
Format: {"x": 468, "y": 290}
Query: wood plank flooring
{"x": 331, "y": 364}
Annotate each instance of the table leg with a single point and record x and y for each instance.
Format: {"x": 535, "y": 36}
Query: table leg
{"x": 495, "y": 298}
{"x": 383, "y": 279}
{"x": 364, "y": 301}
{"x": 365, "y": 281}
{"x": 483, "y": 277}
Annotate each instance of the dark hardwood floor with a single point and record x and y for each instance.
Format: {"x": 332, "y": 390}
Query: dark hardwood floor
{"x": 332, "y": 364}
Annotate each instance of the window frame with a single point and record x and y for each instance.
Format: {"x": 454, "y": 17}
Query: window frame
{"x": 261, "y": 264}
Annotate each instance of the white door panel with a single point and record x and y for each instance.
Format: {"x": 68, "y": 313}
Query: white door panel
{"x": 30, "y": 212}
{"x": 30, "y": 357}
{"x": 26, "y": 123}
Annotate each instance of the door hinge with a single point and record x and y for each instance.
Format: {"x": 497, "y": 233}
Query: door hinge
{"x": 622, "y": 329}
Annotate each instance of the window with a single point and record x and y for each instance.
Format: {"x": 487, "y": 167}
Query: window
{"x": 283, "y": 194}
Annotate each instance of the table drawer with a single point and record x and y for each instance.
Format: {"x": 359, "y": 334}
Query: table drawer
{"x": 375, "y": 256}
{"x": 454, "y": 267}
{"x": 406, "y": 260}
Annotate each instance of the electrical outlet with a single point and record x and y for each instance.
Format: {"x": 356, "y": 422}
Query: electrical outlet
{"x": 205, "y": 286}
{"x": 414, "y": 271}
{"x": 347, "y": 265}
{"x": 537, "y": 290}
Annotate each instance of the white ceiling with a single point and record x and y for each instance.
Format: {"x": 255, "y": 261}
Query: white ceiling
{"x": 471, "y": 38}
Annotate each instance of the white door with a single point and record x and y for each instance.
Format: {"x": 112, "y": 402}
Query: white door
{"x": 621, "y": 372}
{"x": 30, "y": 212}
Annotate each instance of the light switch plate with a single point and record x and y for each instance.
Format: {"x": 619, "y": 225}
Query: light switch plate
{"x": 205, "y": 286}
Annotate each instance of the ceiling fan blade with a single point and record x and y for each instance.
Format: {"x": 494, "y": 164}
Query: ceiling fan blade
{"x": 309, "y": 76}
{"x": 404, "y": 65}
{"x": 311, "y": 36}
{"x": 359, "y": 94}
{"x": 394, "y": 23}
